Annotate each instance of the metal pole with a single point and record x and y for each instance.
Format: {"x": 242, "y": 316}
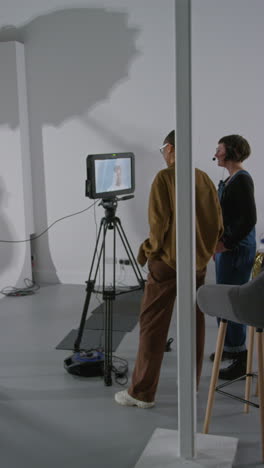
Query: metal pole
{"x": 185, "y": 211}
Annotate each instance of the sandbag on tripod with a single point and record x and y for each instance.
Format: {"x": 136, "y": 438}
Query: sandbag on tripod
{"x": 85, "y": 364}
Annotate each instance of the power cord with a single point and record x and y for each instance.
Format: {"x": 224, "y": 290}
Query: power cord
{"x": 121, "y": 372}
{"x": 49, "y": 227}
{"x": 119, "y": 367}
{"x": 29, "y": 290}
{"x": 31, "y": 286}
{"x": 168, "y": 345}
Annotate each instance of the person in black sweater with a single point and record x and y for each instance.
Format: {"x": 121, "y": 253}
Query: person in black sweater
{"x": 236, "y": 250}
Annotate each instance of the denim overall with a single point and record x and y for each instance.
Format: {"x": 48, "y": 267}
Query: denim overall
{"x": 234, "y": 267}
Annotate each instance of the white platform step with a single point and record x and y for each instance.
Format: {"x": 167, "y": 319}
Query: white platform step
{"x": 212, "y": 451}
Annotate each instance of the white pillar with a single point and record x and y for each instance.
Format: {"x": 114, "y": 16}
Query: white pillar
{"x": 168, "y": 448}
{"x": 15, "y": 177}
{"x": 185, "y": 221}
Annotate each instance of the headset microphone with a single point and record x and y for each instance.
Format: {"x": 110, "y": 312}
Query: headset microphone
{"x": 213, "y": 159}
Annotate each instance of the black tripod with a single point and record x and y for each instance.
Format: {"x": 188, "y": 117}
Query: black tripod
{"x": 109, "y": 222}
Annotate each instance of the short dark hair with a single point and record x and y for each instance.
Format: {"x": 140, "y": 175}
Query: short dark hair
{"x": 170, "y": 138}
{"x": 237, "y": 147}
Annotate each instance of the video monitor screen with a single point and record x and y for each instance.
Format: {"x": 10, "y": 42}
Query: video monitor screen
{"x": 110, "y": 175}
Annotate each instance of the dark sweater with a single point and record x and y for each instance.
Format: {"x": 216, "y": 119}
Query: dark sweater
{"x": 238, "y": 208}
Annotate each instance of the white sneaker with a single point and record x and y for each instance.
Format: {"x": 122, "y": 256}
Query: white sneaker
{"x": 123, "y": 398}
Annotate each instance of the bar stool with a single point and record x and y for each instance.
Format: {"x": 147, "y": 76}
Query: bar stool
{"x": 257, "y": 268}
{"x": 242, "y": 304}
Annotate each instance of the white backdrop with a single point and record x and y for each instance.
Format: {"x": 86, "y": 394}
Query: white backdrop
{"x": 100, "y": 78}
{"x": 15, "y": 180}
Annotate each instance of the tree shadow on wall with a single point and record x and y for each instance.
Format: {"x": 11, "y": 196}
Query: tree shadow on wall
{"x": 74, "y": 59}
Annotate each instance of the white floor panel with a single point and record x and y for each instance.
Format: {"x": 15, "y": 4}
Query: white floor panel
{"x": 50, "y": 418}
{"x": 162, "y": 451}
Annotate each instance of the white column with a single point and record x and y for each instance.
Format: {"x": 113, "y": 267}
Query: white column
{"x": 15, "y": 178}
{"x": 169, "y": 448}
{"x": 185, "y": 208}
{"x": 24, "y": 136}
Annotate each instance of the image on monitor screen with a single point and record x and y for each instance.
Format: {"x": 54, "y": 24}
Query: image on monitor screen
{"x": 112, "y": 175}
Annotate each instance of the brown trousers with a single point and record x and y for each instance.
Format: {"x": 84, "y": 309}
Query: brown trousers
{"x": 156, "y": 311}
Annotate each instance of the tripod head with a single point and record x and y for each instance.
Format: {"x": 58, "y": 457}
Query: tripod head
{"x": 110, "y": 205}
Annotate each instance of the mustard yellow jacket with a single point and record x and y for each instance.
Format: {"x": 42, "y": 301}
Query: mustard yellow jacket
{"x": 161, "y": 243}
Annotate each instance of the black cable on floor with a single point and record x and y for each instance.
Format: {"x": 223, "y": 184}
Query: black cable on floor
{"x": 30, "y": 288}
{"x": 120, "y": 372}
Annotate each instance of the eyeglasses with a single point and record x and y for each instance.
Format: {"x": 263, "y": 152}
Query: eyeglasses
{"x": 162, "y": 147}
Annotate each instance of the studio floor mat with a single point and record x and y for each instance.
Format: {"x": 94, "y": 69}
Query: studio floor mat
{"x": 121, "y": 322}
{"x": 126, "y": 309}
{"x": 91, "y": 339}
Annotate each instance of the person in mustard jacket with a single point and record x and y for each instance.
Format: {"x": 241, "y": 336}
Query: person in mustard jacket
{"x": 159, "y": 250}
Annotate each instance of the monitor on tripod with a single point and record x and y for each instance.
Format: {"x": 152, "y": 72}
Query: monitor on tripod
{"x": 110, "y": 175}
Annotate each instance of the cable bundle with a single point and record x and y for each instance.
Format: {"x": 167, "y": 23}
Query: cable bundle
{"x": 30, "y": 288}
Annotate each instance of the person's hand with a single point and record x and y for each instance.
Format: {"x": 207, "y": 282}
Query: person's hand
{"x": 141, "y": 258}
{"x": 220, "y": 247}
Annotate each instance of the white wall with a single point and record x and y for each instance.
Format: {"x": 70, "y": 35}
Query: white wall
{"x": 228, "y": 76}
{"x": 96, "y": 80}
{"x": 101, "y": 79}
{"x": 15, "y": 180}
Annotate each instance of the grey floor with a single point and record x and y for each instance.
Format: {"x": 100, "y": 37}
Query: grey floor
{"x": 49, "y": 418}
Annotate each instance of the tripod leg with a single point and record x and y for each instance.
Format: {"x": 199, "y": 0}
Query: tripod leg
{"x": 91, "y": 283}
{"x": 90, "y": 288}
{"x": 108, "y": 330}
{"x": 101, "y": 251}
{"x": 95, "y": 250}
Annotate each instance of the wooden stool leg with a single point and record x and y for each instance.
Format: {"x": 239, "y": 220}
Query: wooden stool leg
{"x": 257, "y": 387}
{"x": 215, "y": 373}
{"x": 251, "y": 332}
{"x": 261, "y": 385}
